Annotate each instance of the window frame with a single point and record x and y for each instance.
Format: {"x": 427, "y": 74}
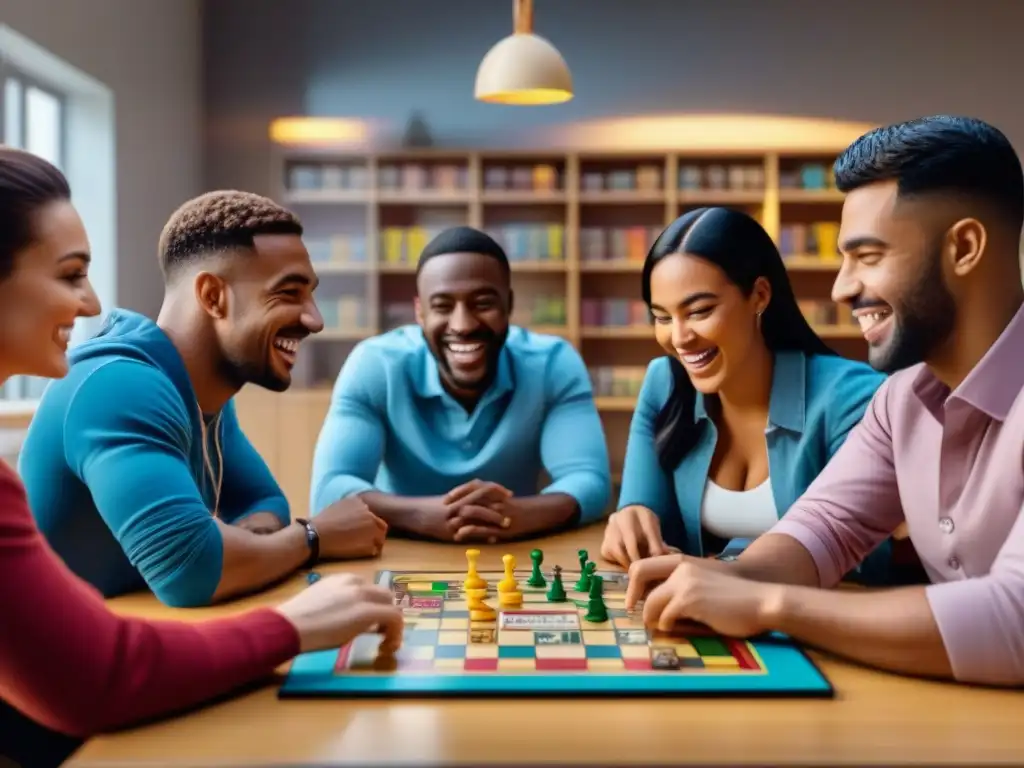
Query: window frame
{"x": 17, "y": 389}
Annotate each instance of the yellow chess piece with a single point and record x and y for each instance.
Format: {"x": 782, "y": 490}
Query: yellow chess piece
{"x": 509, "y": 595}
{"x": 473, "y": 578}
{"x": 508, "y": 584}
{"x": 478, "y": 609}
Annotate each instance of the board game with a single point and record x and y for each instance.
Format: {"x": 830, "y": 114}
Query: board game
{"x": 501, "y": 633}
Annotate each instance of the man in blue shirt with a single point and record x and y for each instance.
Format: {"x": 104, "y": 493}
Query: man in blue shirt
{"x": 444, "y": 428}
{"x": 135, "y": 465}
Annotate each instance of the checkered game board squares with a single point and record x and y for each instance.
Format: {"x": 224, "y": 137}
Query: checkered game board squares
{"x": 538, "y": 637}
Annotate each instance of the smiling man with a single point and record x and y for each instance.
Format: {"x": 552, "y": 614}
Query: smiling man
{"x": 136, "y": 467}
{"x": 931, "y": 233}
{"x": 444, "y": 428}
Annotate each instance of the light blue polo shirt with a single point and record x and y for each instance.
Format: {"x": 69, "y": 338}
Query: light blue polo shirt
{"x": 393, "y": 428}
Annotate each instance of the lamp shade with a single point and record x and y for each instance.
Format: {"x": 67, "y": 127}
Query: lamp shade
{"x": 523, "y": 69}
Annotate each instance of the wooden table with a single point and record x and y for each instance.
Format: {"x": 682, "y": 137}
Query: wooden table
{"x": 875, "y": 717}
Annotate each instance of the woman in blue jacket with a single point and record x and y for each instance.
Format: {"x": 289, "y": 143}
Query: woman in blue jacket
{"x": 747, "y": 408}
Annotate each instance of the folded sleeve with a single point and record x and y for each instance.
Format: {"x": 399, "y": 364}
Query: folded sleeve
{"x": 981, "y": 620}
{"x": 854, "y": 504}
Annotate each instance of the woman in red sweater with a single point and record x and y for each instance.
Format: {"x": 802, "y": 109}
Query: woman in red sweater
{"x": 66, "y": 661}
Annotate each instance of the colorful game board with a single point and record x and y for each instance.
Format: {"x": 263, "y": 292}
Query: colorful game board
{"x": 547, "y": 647}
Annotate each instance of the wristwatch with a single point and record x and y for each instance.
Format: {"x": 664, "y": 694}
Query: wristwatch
{"x": 312, "y": 541}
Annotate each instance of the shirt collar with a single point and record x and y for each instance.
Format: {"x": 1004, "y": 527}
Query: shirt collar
{"x": 787, "y": 404}
{"x": 993, "y": 384}
{"x": 428, "y": 381}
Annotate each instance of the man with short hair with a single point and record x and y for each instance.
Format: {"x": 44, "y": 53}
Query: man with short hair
{"x": 930, "y": 238}
{"x": 136, "y": 467}
{"x": 444, "y": 428}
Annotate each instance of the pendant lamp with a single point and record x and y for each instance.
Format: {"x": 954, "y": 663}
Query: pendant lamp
{"x": 524, "y": 68}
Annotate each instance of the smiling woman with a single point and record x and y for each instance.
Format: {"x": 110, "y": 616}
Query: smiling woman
{"x": 747, "y": 406}
{"x": 69, "y": 667}
{"x": 46, "y": 290}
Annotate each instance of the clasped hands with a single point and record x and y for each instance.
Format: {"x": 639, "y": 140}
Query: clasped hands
{"x": 475, "y": 511}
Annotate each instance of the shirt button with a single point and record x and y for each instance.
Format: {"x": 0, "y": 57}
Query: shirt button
{"x": 946, "y": 524}
{"x": 954, "y": 563}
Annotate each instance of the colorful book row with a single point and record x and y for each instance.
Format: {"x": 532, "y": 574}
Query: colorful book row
{"x": 642, "y": 178}
{"x": 536, "y": 178}
{"x": 345, "y": 313}
{"x": 616, "y": 380}
{"x": 417, "y": 176}
{"x": 819, "y": 239}
{"x": 531, "y": 242}
{"x": 521, "y": 242}
{"x": 614, "y": 313}
{"x": 542, "y": 310}
{"x": 808, "y": 176}
{"x": 616, "y": 243}
{"x": 733, "y": 176}
{"x": 324, "y": 176}
{"x": 337, "y": 249}
{"x": 819, "y": 312}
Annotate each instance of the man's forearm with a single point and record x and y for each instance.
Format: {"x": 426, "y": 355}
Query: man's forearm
{"x": 399, "y": 512}
{"x": 775, "y": 558}
{"x": 891, "y": 629}
{"x": 252, "y": 561}
{"x": 260, "y": 522}
{"x": 546, "y": 512}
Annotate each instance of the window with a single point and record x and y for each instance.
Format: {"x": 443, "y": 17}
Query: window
{"x": 33, "y": 119}
{"x": 55, "y": 110}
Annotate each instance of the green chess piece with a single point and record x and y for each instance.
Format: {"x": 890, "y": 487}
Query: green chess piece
{"x": 586, "y": 578}
{"x": 583, "y": 584}
{"x": 597, "y": 611}
{"x": 556, "y": 593}
{"x": 536, "y": 577}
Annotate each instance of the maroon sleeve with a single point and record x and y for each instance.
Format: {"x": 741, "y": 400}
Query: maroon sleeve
{"x": 71, "y": 664}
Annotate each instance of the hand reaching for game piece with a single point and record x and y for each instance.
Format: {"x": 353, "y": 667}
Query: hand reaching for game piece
{"x": 348, "y": 529}
{"x": 728, "y": 604}
{"x": 645, "y": 574}
{"x": 334, "y": 610}
{"x": 632, "y": 533}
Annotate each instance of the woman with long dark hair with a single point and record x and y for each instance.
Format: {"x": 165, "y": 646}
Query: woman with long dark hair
{"x": 69, "y": 666}
{"x": 748, "y": 405}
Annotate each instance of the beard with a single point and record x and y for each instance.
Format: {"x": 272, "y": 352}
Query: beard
{"x": 493, "y": 343}
{"x": 922, "y": 322}
{"x": 239, "y": 373}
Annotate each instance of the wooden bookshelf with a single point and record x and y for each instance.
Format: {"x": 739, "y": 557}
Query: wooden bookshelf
{"x": 576, "y": 227}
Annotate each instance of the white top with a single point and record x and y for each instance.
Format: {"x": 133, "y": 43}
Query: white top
{"x": 738, "y": 514}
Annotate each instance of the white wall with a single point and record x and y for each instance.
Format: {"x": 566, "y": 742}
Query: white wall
{"x": 149, "y": 53}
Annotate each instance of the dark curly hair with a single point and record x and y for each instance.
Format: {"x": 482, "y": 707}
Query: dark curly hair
{"x": 218, "y": 222}
{"x": 27, "y": 183}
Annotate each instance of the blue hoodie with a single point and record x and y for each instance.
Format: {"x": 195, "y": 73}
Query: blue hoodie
{"x": 115, "y": 473}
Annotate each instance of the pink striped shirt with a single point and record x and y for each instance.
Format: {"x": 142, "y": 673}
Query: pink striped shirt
{"x": 950, "y": 464}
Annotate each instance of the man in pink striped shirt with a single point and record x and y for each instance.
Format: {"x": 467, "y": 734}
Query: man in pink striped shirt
{"x": 930, "y": 240}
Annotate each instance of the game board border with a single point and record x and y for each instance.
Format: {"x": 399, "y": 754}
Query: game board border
{"x": 306, "y": 669}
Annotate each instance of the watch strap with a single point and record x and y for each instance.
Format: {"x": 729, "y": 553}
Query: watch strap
{"x": 312, "y": 541}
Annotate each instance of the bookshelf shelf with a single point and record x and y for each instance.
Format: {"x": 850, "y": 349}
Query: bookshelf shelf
{"x": 576, "y": 226}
